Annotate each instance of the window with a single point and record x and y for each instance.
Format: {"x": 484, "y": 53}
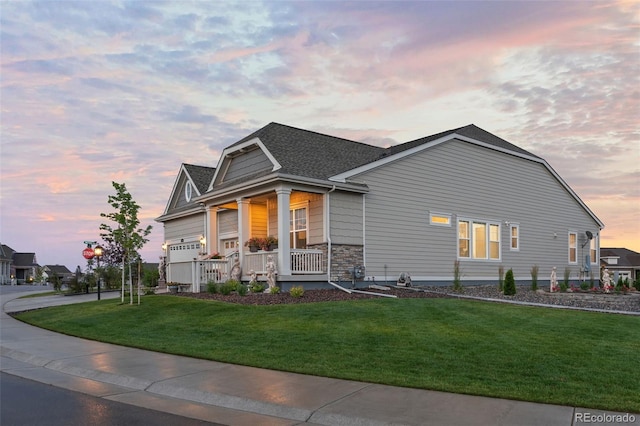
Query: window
{"x": 188, "y": 190}
{"x": 463, "y": 239}
{"x": 515, "y": 237}
{"x": 573, "y": 247}
{"x": 478, "y": 240}
{"x": 298, "y": 228}
{"x": 440, "y": 219}
{"x": 593, "y": 254}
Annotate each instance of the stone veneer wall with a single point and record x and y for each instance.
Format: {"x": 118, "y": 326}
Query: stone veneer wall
{"x": 343, "y": 257}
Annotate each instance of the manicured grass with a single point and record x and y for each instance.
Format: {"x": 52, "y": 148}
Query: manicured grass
{"x": 536, "y": 354}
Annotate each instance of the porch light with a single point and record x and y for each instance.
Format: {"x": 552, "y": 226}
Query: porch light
{"x": 203, "y": 241}
{"x": 164, "y": 247}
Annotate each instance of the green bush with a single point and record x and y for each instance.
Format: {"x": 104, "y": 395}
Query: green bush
{"x": 212, "y": 287}
{"x": 509, "y": 284}
{"x": 275, "y": 290}
{"x": 256, "y": 287}
{"x": 534, "y": 277}
{"x": 565, "y": 283}
{"x": 241, "y": 289}
{"x": 636, "y": 284}
{"x": 227, "y": 288}
{"x": 457, "y": 273}
{"x": 585, "y": 285}
{"x": 296, "y": 291}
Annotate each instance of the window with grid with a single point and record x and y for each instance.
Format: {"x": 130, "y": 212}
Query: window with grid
{"x": 298, "y": 228}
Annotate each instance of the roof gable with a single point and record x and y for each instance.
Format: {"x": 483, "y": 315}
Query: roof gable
{"x": 191, "y": 182}
{"x": 295, "y": 152}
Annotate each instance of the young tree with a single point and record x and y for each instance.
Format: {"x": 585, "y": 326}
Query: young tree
{"x": 127, "y": 235}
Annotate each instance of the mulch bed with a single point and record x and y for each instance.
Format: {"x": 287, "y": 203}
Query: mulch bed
{"x": 309, "y": 296}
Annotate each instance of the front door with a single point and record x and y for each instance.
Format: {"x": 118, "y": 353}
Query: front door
{"x": 229, "y": 246}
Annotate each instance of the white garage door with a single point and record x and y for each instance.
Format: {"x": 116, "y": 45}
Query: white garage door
{"x": 183, "y": 252}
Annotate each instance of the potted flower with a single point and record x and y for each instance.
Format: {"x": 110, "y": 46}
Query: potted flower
{"x": 172, "y": 287}
{"x": 270, "y": 243}
{"x": 254, "y": 243}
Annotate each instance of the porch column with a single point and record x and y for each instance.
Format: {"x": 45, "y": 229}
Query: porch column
{"x": 284, "y": 246}
{"x": 212, "y": 235}
{"x": 244, "y": 226}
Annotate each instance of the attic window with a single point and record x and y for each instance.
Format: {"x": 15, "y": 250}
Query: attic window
{"x": 188, "y": 190}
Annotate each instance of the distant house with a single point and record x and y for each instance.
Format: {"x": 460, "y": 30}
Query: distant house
{"x": 5, "y": 264}
{"x": 23, "y": 267}
{"x": 621, "y": 262}
{"x": 60, "y": 271}
{"x": 348, "y": 213}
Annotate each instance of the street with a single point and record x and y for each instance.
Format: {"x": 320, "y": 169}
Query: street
{"x": 26, "y": 402}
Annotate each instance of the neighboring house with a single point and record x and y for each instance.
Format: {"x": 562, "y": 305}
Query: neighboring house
{"x": 621, "y": 262}
{"x": 337, "y": 206}
{"x": 5, "y": 264}
{"x": 61, "y": 271}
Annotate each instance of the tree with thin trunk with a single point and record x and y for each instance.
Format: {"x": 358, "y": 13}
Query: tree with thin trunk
{"x": 127, "y": 235}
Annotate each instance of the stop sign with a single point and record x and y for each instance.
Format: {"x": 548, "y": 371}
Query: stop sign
{"x": 88, "y": 253}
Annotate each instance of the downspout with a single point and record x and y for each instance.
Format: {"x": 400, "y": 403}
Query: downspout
{"x": 338, "y": 286}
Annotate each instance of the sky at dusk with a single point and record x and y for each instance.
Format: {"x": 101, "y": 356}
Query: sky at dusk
{"x": 94, "y": 92}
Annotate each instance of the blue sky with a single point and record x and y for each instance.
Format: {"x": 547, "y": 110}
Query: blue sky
{"x": 94, "y": 92}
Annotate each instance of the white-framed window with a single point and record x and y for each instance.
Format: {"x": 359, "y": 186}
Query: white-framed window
{"x": 478, "y": 240}
{"x": 593, "y": 249}
{"x": 440, "y": 219}
{"x": 514, "y": 237}
{"x": 298, "y": 227}
{"x": 573, "y": 247}
{"x": 188, "y": 191}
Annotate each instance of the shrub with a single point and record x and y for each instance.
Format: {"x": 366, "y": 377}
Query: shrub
{"x": 241, "y": 289}
{"x": 636, "y": 283}
{"x": 534, "y": 277}
{"x": 509, "y": 284}
{"x": 457, "y": 283}
{"x": 500, "y": 278}
{"x": 256, "y": 287}
{"x": 585, "y": 285}
{"x": 212, "y": 287}
{"x": 227, "y": 288}
{"x": 567, "y": 275}
{"x": 275, "y": 290}
{"x": 296, "y": 291}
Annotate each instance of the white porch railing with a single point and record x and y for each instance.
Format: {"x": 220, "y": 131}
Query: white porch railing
{"x": 200, "y": 272}
{"x": 303, "y": 261}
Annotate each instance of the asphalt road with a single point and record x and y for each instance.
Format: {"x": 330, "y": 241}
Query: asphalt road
{"x": 25, "y": 402}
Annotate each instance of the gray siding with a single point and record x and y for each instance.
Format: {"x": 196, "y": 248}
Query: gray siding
{"x": 186, "y": 227}
{"x": 247, "y": 163}
{"x": 346, "y": 218}
{"x": 227, "y": 221}
{"x": 472, "y": 182}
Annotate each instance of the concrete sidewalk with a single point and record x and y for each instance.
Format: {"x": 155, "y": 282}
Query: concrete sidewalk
{"x": 237, "y": 395}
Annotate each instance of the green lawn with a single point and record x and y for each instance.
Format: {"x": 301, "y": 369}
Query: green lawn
{"x": 536, "y": 354}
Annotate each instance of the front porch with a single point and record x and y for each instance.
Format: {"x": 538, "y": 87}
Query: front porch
{"x": 306, "y": 264}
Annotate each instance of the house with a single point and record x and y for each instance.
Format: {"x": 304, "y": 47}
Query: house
{"x": 60, "y": 271}
{"x": 5, "y": 264}
{"x": 23, "y": 267}
{"x": 348, "y": 213}
{"x": 621, "y": 262}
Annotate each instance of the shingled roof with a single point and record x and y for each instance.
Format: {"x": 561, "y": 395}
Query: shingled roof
{"x": 315, "y": 155}
{"x": 626, "y": 257}
{"x": 471, "y": 131}
{"x": 200, "y": 175}
{"x": 311, "y": 154}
